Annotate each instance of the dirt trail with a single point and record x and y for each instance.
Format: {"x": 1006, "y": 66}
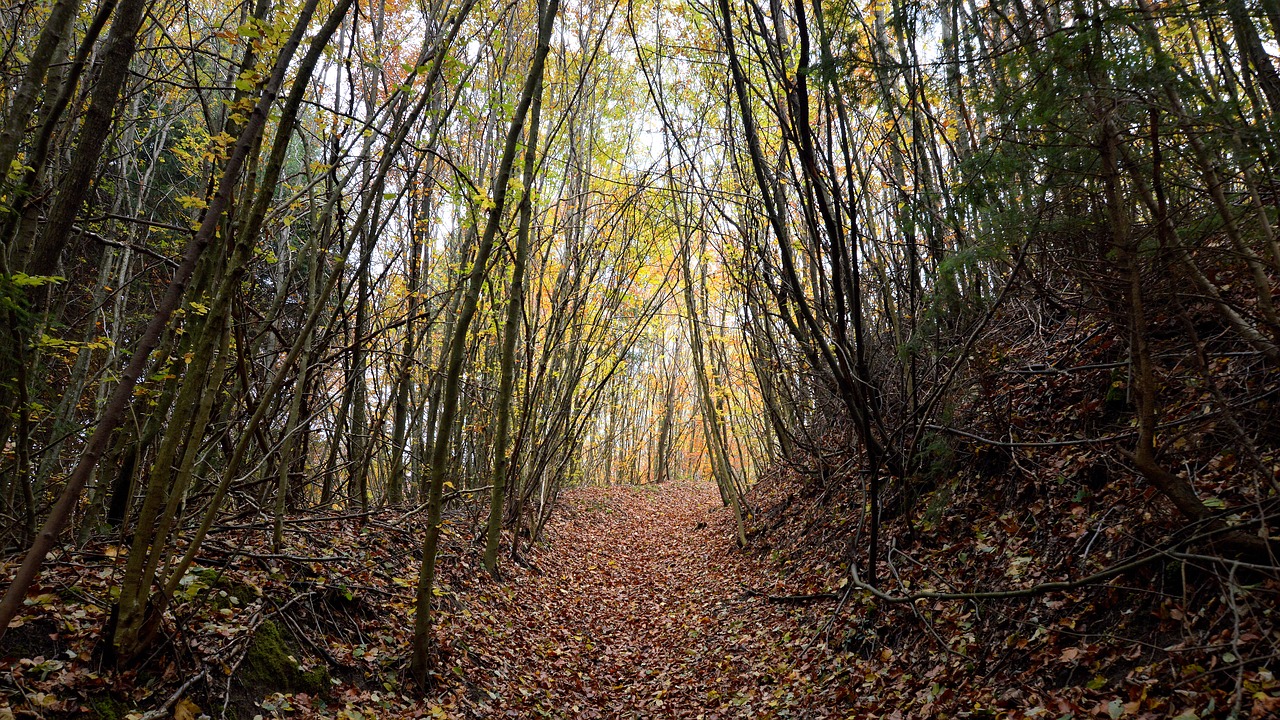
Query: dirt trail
{"x": 640, "y": 610}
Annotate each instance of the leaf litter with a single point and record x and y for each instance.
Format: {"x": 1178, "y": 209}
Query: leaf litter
{"x": 637, "y": 605}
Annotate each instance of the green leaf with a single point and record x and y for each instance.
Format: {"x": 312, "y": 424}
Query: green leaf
{"x": 21, "y": 279}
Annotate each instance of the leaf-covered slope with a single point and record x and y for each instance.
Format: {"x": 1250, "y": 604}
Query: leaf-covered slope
{"x": 1029, "y": 484}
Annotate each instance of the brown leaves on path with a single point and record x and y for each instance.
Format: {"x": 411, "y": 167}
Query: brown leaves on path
{"x": 640, "y": 610}
{"x": 639, "y": 605}
{"x": 636, "y": 607}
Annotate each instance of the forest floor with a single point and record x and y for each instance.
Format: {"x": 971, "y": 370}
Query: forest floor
{"x": 642, "y": 608}
{"x": 638, "y": 605}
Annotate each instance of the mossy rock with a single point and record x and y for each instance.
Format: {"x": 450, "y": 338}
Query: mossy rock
{"x": 271, "y": 665}
{"x": 224, "y": 592}
{"x": 234, "y": 595}
{"x": 107, "y": 707}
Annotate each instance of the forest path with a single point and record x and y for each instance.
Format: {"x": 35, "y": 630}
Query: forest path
{"x": 640, "y": 610}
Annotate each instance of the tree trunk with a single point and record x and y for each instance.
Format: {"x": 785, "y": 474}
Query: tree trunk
{"x": 511, "y": 330}
{"x": 420, "y": 663}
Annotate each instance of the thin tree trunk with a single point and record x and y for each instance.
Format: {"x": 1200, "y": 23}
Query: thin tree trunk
{"x": 122, "y": 41}
{"x": 113, "y": 413}
{"x": 420, "y": 663}
{"x": 511, "y": 330}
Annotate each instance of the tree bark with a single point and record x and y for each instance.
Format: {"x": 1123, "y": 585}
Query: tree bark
{"x": 420, "y": 663}
{"x": 511, "y": 330}
{"x": 121, "y": 397}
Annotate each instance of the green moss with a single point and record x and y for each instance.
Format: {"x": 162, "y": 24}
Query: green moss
{"x": 222, "y": 589}
{"x": 1116, "y": 398}
{"x": 107, "y": 707}
{"x": 271, "y": 665}
{"x": 208, "y": 576}
{"x": 268, "y": 661}
{"x": 233, "y": 595}
{"x": 316, "y": 680}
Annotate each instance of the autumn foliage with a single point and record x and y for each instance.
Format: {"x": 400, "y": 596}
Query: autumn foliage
{"x": 588, "y": 358}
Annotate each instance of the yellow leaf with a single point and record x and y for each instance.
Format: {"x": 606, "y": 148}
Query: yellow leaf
{"x": 186, "y": 710}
